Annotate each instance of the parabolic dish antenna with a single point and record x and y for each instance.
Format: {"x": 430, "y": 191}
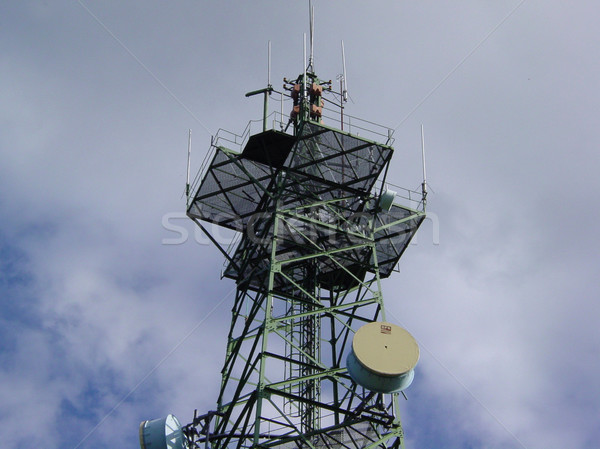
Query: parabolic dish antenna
{"x": 164, "y": 433}
{"x": 383, "y": 357}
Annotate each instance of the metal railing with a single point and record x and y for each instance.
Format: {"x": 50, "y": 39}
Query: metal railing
{"x": 279, "y": 121}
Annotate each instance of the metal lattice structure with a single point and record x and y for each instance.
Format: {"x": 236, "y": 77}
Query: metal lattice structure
{"x": 315, "y": 240}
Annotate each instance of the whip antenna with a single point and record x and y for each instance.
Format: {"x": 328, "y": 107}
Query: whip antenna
{"x": 311, "y": 13}
{"x": 187, "y": 184}
{"x": 344, "y": 78}
{"x": 269, "y": 66}
{"x": 424, "y": 183}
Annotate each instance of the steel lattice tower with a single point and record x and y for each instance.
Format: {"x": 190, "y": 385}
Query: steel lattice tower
{"x": 317, "y": 231}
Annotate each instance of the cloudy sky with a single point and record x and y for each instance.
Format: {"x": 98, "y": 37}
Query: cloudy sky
{"x": 106, "y": 321}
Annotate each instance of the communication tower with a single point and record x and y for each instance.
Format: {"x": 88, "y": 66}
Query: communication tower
{"x": 311, "y": 361}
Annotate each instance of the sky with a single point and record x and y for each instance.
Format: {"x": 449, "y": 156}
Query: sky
{"x": 112, "y": 308}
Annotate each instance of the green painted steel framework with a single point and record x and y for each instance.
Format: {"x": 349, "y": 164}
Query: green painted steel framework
{"x": 313, "y": 245}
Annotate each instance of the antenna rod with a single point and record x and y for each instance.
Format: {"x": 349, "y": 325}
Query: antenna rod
{"x": 304, "y": 56}
{"x": 343, "y": 88}
{"x": 312, "y": 31}
{"x": 424, "y": 184}
{"x": 266, "y": 91}
{"x": 269, "y": 67}
{"x": 342, "y": 103}
{"x": 303, "y": 105}
{"x": 345, "y": 92}
{"x": 281, "y": 110}
{"x": 187, "y": 184}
